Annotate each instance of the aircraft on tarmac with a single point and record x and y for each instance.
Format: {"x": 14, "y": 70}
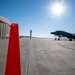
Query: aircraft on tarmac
{"x": 60, "y": 34}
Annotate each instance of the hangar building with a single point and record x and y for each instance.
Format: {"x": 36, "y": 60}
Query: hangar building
{"x": 4, "y": 27}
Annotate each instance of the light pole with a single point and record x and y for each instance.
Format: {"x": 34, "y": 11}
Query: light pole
{"x": 30, "y": 34}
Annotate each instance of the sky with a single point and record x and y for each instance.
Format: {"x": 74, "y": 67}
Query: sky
{"x": 36, "y": 15}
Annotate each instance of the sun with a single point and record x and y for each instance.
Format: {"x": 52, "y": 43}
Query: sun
{"x": 57, "y": 8}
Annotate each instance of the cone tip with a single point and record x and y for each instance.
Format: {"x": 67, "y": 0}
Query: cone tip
{"x": 14, "y": 24}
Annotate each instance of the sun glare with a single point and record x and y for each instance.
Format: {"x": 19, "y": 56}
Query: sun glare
{"x": 57, "y": 8}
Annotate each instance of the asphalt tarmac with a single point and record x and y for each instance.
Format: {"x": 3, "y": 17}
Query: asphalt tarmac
{"x": 42, "y": 56}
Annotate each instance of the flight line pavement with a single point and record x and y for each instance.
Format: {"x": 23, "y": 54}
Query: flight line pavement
{"x": 42, "y": 56}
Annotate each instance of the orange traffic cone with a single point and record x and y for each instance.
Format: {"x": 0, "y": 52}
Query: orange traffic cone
{"x": 13, "y": 57}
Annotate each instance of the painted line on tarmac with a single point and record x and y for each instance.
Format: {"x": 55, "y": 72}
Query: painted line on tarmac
{"x": 27, "y": 67}
{"x": 66, "y": 47}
